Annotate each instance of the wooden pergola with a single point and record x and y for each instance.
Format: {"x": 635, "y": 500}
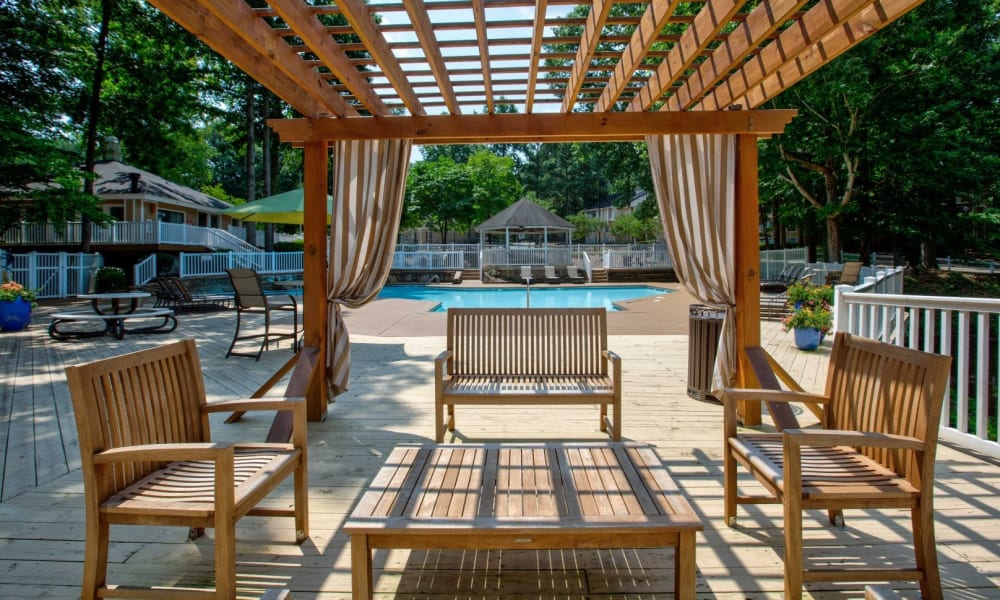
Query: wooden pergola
{"x": 437, "y": 73}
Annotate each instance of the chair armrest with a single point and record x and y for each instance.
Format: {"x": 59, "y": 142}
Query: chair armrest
{"x": 165, "y": 452}
{"x": 248, "y": 404}
{"x": 440, "y": 364}
{"x": 616, "y": 364}
{"x": 830, "y": 437}
{"x": 737, "y": 394}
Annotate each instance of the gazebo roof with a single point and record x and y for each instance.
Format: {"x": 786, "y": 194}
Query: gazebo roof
{"x": 524, "y": 214}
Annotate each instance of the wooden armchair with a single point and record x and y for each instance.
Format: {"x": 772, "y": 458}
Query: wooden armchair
{"x": 875, "y": 450}
{"x": 148, "y": 459}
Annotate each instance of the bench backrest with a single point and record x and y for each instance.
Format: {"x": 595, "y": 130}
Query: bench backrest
{"x": 527, "y": 341}
{"x": 881, "y": 388}
{"x": 152, "y": 396}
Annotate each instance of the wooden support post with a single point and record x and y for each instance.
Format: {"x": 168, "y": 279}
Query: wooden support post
{"x": 314, "y": 267}
{"x": 747, "y": 266}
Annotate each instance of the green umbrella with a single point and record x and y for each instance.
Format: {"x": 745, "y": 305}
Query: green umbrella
{"x": 286, "y": 207}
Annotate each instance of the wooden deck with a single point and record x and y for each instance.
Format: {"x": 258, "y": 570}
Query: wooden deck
{"x": 390, "y": 402}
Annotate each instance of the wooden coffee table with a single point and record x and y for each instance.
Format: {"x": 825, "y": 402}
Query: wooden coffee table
{"x": 523, "y": 496}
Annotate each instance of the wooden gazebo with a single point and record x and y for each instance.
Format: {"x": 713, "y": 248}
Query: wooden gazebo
{"x": 675, "y": 75}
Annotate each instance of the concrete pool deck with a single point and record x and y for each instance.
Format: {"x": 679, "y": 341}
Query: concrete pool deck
{"x": 665, "y": 314}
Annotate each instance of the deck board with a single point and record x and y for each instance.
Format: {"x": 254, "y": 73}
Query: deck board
{"x": 390, "y": 402}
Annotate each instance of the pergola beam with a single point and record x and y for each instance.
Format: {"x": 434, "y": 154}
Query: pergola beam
{"x": 762, "y": 22}
{"x": 589, "y": 41}
{"x": 306, "y": 25}
{"x": 424, "y": 31}
{"x": 819, "y": 21}
{"x": 838, "y": 41}
{"x": 572, "y": 127}
{"x": 657, "y": 15}
{"x": 709, "y": 21}
{"x": 252, "y": 45}
{"x": 479, "y": 12}
{"x": 538, "y": 32}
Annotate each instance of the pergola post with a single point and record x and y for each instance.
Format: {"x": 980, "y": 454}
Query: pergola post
{"x": 747, "y": 257}
{"x": 314, "y": 268}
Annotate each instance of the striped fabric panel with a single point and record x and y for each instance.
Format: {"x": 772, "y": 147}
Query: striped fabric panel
{"x": 369, "y": 178}
{"x": 695, "y": 181}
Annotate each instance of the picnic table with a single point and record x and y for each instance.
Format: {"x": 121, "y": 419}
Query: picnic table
{"x": 110, "y": 311}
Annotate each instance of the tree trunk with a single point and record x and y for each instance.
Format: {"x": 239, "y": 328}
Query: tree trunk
{"x": 93, "y": 117}
{"x": 251, "y": 228}
{"x": 928, "y": 254}
{"x": 832, "y": 238}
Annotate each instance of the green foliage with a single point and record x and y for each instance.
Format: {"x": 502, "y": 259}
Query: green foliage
{"x": 810, "y": 317}
{"x": 290, "y": 246}
{"x": 585, "y": 226}
{"x": 629, "y": 226}
{"x": 110, "y": 279}
{"x": 806, "y": 293}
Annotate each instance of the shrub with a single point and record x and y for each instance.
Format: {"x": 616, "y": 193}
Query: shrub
{"x": 110, "y": 279}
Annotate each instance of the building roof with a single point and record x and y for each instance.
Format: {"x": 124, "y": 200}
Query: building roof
{"x": 524, "y": 214}
{"x": 115, "y": 178}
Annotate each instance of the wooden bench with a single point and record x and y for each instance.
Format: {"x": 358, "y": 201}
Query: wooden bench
{"x": 110, "y": 323}
{"x": 523, "y": 356}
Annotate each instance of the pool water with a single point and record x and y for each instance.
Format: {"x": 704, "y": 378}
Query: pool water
{"x": 541, "y": 297}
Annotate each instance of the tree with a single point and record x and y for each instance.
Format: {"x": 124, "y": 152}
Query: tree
{"x": 439, "y": 193}
{"x": 630, "y": 226}
{"x": 494, "y": 185}
{"x": 898, "y": 136}
{"x": 585, "y": 226}
{"x": 39, "y": 179}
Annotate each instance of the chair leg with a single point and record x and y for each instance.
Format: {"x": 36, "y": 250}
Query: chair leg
{"x": 301, "y": 503}
{"x": 603, "y": 418}
{"x": 225, "y": 556}
{"x": 836, "y": 517}
{"x": 236, "y": 334}
{"x": 729, "y": 486}
{"x": 793, "y": 549}
{"x": 926, "y": 551}
{"x": 95, "y": 561}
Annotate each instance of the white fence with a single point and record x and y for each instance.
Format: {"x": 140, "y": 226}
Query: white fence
{"x": 773, "y": 262}
{"x": 964, "y": 328}
{"x": 124, "y": 233}
{"x": 526, "y": 255}
{"x": 52, "y": 274}
{"x": 647, "y": 257}
{"x": 196, "y": 264}
{"x": 428, "y": 260}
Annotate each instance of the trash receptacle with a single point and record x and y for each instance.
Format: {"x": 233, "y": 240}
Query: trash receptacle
{"x": 704, "y": 329}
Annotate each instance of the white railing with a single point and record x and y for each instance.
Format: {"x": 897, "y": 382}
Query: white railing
{"x": 124, "y": 232}
{"x": 963, "y": 328}
{"x": 587, "y": 266}
{"x": 419, "y": 260}
{"x": 52, "y": 274}
{"x": 649, "y": 257}
{"x": 145, "y": 270}
{"x": 198, "y": 264}
{"x": 773, "y": 262}
{"x": 527, "y": 255}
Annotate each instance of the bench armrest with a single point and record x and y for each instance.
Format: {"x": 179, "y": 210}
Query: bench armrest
{"x": 440, "y": 363}
{"x": 730, "y": 396}
{"x": 293, "y": 403}
{"x": 856, "y": 439}
{"x": 248, "y": 404}
{"x": 166, "y": 452}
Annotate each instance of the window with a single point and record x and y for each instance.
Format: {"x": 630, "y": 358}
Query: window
{"x": 169, "y": 216}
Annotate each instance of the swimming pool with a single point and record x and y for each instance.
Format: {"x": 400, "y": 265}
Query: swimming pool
{"x": 508, "y": 297}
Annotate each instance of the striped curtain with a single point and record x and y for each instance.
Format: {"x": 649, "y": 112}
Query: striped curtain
{"x": 695, "y": 181}
{"x": 369, "y": 178}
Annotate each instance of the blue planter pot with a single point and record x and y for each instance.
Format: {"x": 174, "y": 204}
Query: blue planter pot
{"x": 14, "y": 314}
{"x": 808, "y": 339}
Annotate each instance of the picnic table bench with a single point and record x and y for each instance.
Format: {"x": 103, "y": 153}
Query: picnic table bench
{"x": 113, "y": 323}
{"x": 524, "y": 356}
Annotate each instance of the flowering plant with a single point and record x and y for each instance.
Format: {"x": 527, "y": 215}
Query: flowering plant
{"x": 12, "y": 290}
{"x": 808, "y": 294}
{"x": 815, "y": 315}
